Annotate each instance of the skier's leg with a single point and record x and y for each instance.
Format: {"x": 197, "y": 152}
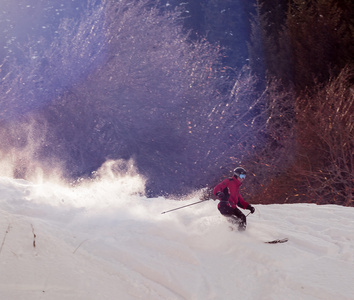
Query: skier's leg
{"x": 240, "y": 218}
{"x": 225, "y": 209}
{"x": 233, "y": 220}
{"x": 233, "y": 215}
{"x": 227, "y": 212}
{"x": 241, "y": 225}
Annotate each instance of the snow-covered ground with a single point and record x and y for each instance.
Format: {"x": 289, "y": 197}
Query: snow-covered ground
{"x": 104, "y": 240}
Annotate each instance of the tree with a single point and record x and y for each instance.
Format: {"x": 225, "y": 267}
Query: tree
{"x": 257, "y": 45}
{"x": 326, "y": 140}
{"x": 321, "y": 38}
{"x": 270, "y": 53}
{"x": 226, "y": 22}
{"x": 122, "y": 82}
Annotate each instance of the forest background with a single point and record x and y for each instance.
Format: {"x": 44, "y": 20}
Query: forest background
{"x": 301, "y": 53}
{"x": 186, "y": 91}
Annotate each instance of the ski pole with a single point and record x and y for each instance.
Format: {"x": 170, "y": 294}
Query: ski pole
{"x": 182, "y": 207}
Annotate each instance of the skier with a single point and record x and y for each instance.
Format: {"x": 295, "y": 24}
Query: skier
{"x": 228, "y": 192}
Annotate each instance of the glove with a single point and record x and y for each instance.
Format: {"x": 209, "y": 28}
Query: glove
{"x": 251, "y": 208}
{"x": 221, "y": 196}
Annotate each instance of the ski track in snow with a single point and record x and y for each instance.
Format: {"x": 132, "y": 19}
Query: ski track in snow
{"x": 91, "y": 243}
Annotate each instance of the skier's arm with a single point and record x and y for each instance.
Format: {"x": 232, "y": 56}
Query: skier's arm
{"x": 242, "y": 203}
{"x": 219, "y": 189}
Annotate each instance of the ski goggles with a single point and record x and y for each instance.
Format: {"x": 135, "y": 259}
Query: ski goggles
{"x": 242, "y": 176}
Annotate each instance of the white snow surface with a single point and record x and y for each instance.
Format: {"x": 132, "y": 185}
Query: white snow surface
{"x": 105, "y": 240}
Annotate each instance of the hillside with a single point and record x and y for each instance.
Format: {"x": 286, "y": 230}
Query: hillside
{"x": 96, "y": 242}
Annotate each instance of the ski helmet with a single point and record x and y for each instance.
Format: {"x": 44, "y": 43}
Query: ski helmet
{"x": 238, "y": 171}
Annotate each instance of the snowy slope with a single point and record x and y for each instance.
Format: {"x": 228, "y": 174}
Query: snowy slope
{"x": 104, "y": 240}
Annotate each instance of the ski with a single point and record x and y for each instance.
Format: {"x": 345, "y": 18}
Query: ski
{"x": 277, "y": 241}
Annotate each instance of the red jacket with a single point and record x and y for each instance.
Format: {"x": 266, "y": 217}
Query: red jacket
{"x": 231, "y": 188}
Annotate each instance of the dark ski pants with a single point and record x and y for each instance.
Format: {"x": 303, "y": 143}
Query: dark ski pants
{"x": 234, "y": 215}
